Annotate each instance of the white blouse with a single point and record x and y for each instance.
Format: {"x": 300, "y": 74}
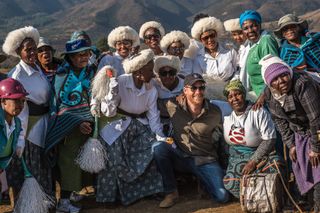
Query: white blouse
{"x": 113, "y": 60}
{"x": 164, "y": 93}
{"x": 38, "y": 87}
{"x": 222, "y": 67}
{"x": 136, "y": 101}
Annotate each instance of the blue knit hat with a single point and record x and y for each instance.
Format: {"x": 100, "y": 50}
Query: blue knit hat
{"x": 250, "y": 15}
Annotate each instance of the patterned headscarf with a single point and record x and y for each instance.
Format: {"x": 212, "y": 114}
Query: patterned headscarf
{"x": 234, "y": 85}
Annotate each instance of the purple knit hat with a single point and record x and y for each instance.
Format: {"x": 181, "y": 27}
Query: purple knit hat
{"x": 274, "y": 70}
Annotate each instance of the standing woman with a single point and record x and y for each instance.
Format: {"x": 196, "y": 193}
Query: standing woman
{"x": 261, "y": 44}
{"x": 175, "y": 43}
{"x": 123, "y": 39}
{"x": 293, "y": 100}
{"x": 151, "y": 33}
{"x": 214, "y": 61}
{"x": 130, "y": 173}
{"x": 70, "y": 122}
{"x": 48, "y": 63}
{"x": 23, "y": 43}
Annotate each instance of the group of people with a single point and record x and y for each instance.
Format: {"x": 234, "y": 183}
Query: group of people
{"x": 151, "y": 111}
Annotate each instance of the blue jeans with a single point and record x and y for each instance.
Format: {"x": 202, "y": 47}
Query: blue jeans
{"x": 211, "y": 175}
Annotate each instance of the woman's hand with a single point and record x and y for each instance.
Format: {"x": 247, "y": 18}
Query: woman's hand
{"x": 249, "y": 167}
{"x": 259, "y": 103}
{"x": 314, "y": 158}
{"x": 85, "y": 128}
{"x": 293, "y": 153}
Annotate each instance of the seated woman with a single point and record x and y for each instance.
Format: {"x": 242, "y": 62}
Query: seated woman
{"x": 151, "y": 33}
{"x": 70, "y": 122}
{"x": 130, "y": 173}
{"x": 168, "y": 85}
{"x": 214, "y": 61}
{"x": 123, "y": 39}
{"x": 251, "y": 137}
{"x": 293, "y": 100}
{"x": 175, "y": 43}
{"x": 294, "y": 45}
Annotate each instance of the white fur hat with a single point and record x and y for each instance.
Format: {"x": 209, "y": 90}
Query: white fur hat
{"x": 174, "y": 36}
{"x": 16, "y": 37}
{"x": 232, "y": 25}
{"x": 137, "y": 61}
{"x": 167, "y": 60}
{"x": 122, "y": 33}
{"x": 151, "y": 24}
{"x": 205, "y": 24}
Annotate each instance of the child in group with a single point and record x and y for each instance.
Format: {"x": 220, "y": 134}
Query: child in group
{"x": 12, "y": 98}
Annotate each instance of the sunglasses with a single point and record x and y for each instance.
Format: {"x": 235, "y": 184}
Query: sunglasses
{"x": 200, "y": 88}
{"x": 150, "y": 36}
{"x": 168, "y": 73}
{"x": 206, "y": 38}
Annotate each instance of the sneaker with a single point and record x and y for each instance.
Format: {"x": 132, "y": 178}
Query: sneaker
{"x": 169, "y": 200}
{"x": 76, "y": 197}
{"x": 65, "y": 206}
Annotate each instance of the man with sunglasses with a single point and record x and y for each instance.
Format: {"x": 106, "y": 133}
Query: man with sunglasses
{"x": 197, "y": 126}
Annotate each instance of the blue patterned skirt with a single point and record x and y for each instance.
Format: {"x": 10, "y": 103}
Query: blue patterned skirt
{"x": 131, "y": 173}
{"x": 239, "y": 156}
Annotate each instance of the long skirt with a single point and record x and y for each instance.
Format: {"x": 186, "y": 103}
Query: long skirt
{"x": 131, "y": 173}
{"x": 37, "y": 165}
{"x": 239, "y": 156}
{"x": 72, "y": 178}
{"x": 306, "y": 176}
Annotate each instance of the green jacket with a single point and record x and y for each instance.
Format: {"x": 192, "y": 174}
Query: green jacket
{"x": 4, "y": 161}
{"x": 266, "y": 45}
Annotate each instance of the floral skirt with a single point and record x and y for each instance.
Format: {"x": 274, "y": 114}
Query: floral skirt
{"x": 131, "y": 173}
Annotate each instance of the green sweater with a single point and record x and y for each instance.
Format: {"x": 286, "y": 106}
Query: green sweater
{"x": 266, "y": 45}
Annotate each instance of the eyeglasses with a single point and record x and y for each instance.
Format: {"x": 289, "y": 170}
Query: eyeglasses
{"x": 176, "y": 49}
{"x": 172, "y": 72}
{"x": 206, "y": 38}
{"x": 200, "y": 88}
{"x": 150, "y": 36}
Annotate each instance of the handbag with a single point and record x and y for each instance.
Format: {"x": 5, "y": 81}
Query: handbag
{"x": 262, "y": 192}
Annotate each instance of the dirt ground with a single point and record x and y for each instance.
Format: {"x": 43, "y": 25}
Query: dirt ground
{"x": 189, "y": 201}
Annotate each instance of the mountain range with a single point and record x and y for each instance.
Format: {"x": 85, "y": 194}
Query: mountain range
{"x": 57, "y": 19}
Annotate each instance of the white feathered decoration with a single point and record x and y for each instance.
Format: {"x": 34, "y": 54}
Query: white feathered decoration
{"x": 32, "y": 198}
{"x": 92, "y": 157}
{"x": 100, "y": 83}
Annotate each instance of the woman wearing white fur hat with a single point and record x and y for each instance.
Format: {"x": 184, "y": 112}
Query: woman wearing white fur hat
{"x": 233, "y": 26}
{"x": 175, "y": 43}
{"x": 123, "y": 39}
{"x": 151, "y": 33}
{"x": 130, "y": 173}
{"x": 214, "y": 60}
{"x": 22, "y": 43}
{"x": 168, "y": 85}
